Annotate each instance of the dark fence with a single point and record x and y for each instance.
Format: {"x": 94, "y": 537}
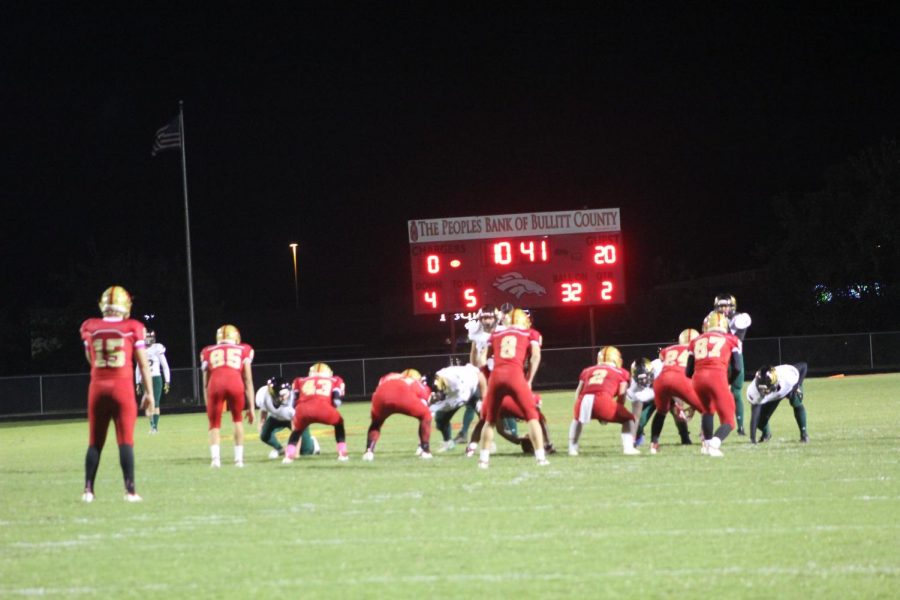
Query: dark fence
{"x": 38, "y": 395}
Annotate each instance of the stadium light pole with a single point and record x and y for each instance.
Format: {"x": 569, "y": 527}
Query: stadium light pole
{"x": 296, "y": 289}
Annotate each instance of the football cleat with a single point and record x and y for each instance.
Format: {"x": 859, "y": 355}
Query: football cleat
{"x": 446, "y": 446}
{"x": 543, "y": 462}
{"x": 631, "y": 452}
{"x": 87, "y": 497}
{"x": 715, "y": 452}
{"x": 460, "y": 439}
{"x": 426, "y": 456}
{"x": 573, "y": 450}
{"x": 686, "y": 335}
{"x": 239, "y": 464}
{"x": 320, "y": 369}
{"x": 274, "y": 454}
{"x": 765, "y": 437}
{"x": 115, "y": 300}
{"x": 419, "y": 451}
{"x": 470, "y": 449}
{"x": 639, "y": 441}
{"x": 704, "y": 448}
{"x": 609, "y": 355}
{"x": 133, "y": 498}
{"x": 228, "y": 333}
{"x": 654, "y": 448}
{"x": 483, "y": 464}
{"x": 343, "y": 457}
{"x": 804, "y": 438}
{"x": 368, "y": 456}
{"x": 741, "y": 431}
{"x": 215, "y": 464}
{"x": 287, "y": 460}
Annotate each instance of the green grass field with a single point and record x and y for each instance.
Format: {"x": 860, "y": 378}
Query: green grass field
{"x": 779, "y": 520}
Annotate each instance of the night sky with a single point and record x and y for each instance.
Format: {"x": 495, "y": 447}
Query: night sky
{"x": 332, "y": 124}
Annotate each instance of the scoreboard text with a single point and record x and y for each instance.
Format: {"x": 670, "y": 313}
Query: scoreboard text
{"x": 532, "y": 260}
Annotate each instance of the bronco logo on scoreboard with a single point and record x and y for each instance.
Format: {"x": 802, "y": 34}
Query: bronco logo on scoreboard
{"x": 567, "y": 258}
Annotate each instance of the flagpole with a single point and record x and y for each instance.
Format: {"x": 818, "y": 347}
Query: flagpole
{"x": 187, "y": 239}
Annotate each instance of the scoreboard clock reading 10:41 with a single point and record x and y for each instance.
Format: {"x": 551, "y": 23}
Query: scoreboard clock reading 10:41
{"x": 531, "y": 260}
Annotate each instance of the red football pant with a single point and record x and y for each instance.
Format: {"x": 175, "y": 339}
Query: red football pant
{"x": 220, "y": 393}
{"x": 387, "y": 404}
{"x": 111, "y": 400}
{"x": 714, "y": 392}
{"x": 670, "y": 385}
{"x": 307, "y": 413}
{"x": 604, "y": 408}
{"x": 508, "y": 381}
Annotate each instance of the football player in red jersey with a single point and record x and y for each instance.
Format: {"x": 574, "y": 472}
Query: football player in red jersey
{"x": 510, "y": 347}
{"x": 715, "y": 360}
{"x": 318, "y": 397}
{"x": 405, "y": 393}
{"x": 672, "y": 384}
{"x": 227, "y": 380}
{"x": 111, "y": 344}
{"x": 600, "y": 395}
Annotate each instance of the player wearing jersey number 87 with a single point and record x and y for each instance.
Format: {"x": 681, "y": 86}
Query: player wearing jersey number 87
{"x": 227, "y": 380}
{"x": 714, "y": 360}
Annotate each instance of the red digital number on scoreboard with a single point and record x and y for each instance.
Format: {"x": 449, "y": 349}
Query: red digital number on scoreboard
{"x": 554, "y": 270}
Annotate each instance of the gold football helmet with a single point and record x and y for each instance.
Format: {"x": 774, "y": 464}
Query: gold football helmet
{"x": 609, "y": 355}
{"x": 115, "y": 300}
{"x": 519, "y": 317}
{"x": 725, "y": 304}
{"x": 320, "y": 369}
{"x": 715, "y": 321}
{"x": 228, "y": 333}
{"x": 685, "y": 337}
{"x": 411, "y": 373}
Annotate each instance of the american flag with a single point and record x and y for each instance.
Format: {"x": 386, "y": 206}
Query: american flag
{"x": 167, "y": 137}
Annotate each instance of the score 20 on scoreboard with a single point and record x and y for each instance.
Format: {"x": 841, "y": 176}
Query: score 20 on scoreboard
{"x": 532, "y": 260}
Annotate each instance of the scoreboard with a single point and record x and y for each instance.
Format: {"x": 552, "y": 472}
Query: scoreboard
{"x": 532, "y": 260}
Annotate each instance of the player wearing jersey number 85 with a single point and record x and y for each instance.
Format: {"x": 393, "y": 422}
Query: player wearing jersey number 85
{"x": 227, "y": 381}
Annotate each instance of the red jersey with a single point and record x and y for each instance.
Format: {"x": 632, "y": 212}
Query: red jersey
{"x": 712, "y": 350}
{"x": 674, "y": 358}
{"x": 110, "y": 342}
{"x": 410, "y": 388}
{"x": 511, "y": 346}
{"x": 226, "y": 360}
{"x": 603, "y": 380}
{"x": 317, "y": 388}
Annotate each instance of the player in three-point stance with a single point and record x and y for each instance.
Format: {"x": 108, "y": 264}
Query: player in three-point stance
{"x": 227, "y": 380}
{"x": 275, "y": 402}
{"x": 600, "y": 395}
{"x": 714, "y": 361}
{"x": 769, "y": 387}
{"x": 111, "y": 344}
{"x": 738, "y": 323}
{"x": 405, "y": 393}
{"x": 454, "y": 387}
{"x": 673, "y": 389}
{"x": 159, "y": 370}
{"x": 318, "y": 397}
{"x": 511, "y": 347}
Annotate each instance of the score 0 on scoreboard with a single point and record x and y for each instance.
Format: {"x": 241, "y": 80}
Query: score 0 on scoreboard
{"x": 533, "y": 260}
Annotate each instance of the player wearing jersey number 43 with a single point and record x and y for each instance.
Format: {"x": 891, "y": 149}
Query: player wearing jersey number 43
{"x": 111, "y": 345}
{"x": 227, "y": 381}
{"x": 318, "y": 397}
